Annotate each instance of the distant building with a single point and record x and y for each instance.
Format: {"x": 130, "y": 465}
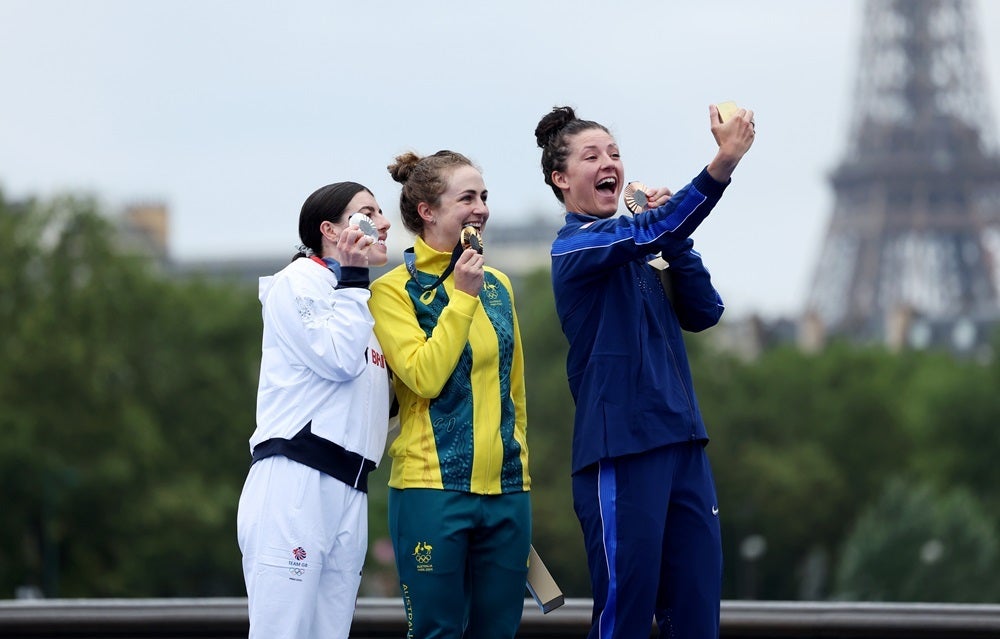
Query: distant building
{"x": 911, "y": 257}
{"x": 144, "y": 228}
{"x": 749, "y": 337}
{"x": 516, "y": 249}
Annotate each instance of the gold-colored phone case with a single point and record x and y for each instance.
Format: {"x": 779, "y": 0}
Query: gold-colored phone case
{"x": 727, "y": 110}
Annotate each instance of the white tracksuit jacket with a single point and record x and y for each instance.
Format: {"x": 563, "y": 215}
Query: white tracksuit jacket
{"x": 320, "y": 362}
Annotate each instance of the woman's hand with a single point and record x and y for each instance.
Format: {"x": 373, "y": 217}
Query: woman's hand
{"x": 469, "y": 272}
{"x": 657, "y": 197}
{"x": 353, "y": 245}
{"x": 734, "y": 137}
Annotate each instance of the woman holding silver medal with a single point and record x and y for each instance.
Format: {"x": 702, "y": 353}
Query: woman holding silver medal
{"x": 322, "y": 410}
{"x": 642, "y": 485}
{"x": 459, "y": 509}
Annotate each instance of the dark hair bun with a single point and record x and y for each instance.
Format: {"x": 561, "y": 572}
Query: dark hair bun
{"x": 403, "y": 167}
{"x": 552, "y": 123}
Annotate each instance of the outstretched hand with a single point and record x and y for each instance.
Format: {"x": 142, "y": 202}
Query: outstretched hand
{"x": 734, "y": 137}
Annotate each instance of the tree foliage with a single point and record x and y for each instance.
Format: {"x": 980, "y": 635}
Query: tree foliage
{"x": 124, "y": 398}
{"x": 556, "y": 533}
{"x": 914, "y": 544}
{"x": 127, "y": 398}
{"x": 804, "y": 444}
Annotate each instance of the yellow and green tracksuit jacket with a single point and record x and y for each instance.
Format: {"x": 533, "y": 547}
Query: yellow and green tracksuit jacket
{"x": 459, "y": 379}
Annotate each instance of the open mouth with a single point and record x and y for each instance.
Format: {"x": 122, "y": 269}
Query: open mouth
{"x": 476, "y": 224}
{"x": 607, "y": 185}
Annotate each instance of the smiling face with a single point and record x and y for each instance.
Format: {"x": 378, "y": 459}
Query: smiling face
{"x": 594, "y": 174}
{"x": 462, "y": 203}
{"x": 364, "y": 202}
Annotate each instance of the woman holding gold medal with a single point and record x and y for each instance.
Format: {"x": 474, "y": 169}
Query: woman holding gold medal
{"x": 642, "y": 485}
{"x": 459, "y": 510}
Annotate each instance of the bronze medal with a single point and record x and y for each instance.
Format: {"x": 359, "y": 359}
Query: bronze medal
{"x": 635, "y": 197}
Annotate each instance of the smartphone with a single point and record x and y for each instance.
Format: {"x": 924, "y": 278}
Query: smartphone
{"x": 727, "y": 110}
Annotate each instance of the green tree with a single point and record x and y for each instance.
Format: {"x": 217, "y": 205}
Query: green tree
{"x": 125, "y": 397}
{"x": 954, "y": 423}
{"x": 917, "y": 545}
{"x": 556, "y": 531}
{"x": 799, "y": 443}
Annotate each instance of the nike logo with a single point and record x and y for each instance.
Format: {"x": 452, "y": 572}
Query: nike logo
{"x": 715, "y": 510}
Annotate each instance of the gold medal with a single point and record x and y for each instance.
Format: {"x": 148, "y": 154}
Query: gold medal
{"x": 635, "y": 197}
{"x": 472, "y": 239}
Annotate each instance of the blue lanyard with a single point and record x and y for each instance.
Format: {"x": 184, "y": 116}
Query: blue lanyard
{"x": 410, "y": 259}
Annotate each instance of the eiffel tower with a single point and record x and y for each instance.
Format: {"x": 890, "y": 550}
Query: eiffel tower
{"x": 911, "y": 256}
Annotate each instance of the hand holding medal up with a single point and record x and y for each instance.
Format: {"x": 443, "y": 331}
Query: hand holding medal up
{"x": 364, "y": 223}
{"x": 469, "y": 266}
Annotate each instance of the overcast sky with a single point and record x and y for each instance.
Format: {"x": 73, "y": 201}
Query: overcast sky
{"x": 232, "y": 112}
